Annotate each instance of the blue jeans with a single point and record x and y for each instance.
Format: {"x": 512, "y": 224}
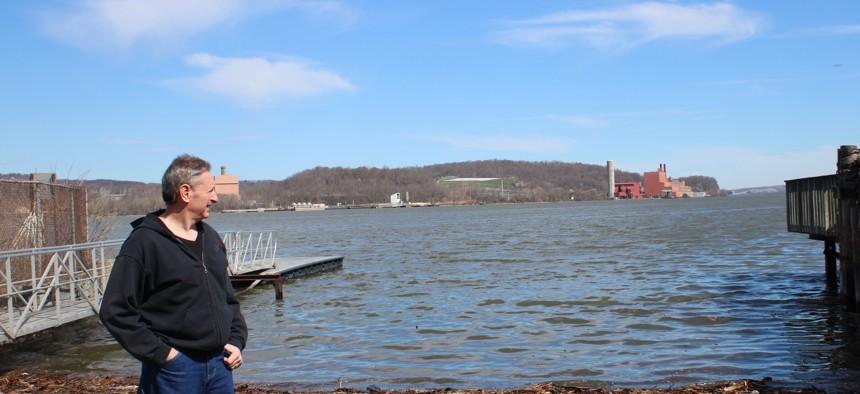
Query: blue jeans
{"x": 187, "y": 375}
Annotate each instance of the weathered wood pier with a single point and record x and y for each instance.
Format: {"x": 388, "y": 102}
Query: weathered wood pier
{"x": 826, "y": 208}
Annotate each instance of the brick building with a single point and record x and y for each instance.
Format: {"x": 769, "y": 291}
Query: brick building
{"x": 226, "y": 185}
{"x": 657, "y": 184}
{"x": 628, "y": 190}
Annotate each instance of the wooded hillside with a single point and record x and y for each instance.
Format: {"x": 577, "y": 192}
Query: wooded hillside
{"x": 524, "y": 182}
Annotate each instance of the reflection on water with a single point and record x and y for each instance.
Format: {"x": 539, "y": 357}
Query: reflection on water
{"x": 623, "y": 293}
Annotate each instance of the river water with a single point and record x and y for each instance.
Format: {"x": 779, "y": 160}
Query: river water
{"x": 649, "y": 293}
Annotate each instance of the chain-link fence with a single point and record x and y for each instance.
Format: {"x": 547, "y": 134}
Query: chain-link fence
{"x": 37, "y": 214}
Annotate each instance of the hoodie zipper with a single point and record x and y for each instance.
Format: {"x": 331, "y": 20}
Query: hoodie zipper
{"x": 209, "y": 287}
{"x": 206, "y": 281}
{"x": 203, "y": 251}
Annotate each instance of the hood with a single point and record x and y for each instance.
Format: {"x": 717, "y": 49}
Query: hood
{"x": 151, "y": 221}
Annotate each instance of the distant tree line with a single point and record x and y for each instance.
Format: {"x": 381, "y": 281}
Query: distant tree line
{"x": 532, "y": 182}
{"x": 701, "y": 183}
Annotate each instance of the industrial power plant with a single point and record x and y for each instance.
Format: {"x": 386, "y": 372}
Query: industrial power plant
{"x": 656, "y": 185}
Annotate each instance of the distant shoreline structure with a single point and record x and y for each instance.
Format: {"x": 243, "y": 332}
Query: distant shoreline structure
{"x": 776, "y": 189}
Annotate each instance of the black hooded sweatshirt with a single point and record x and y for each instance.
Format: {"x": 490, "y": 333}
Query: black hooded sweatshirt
{"x": 161, "y": 295}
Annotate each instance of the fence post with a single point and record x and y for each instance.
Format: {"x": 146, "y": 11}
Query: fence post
{"x": 52, "y": 264}
{"x": 34, "y": 274}
{"x": 11, "y": 303}
{"x": 103, "y": 275}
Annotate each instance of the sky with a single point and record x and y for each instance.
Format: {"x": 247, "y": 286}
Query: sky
{"x": 752, "y": 93}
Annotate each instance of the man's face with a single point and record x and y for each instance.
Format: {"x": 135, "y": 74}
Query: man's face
{"x": 202, "y": 195}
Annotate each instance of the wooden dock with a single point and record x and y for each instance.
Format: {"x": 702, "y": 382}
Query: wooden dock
{"x": 827, "y": 208}
{"x": 286, "y": 268}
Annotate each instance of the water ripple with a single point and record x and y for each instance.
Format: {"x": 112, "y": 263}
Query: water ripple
{"x": 638, "y": 293}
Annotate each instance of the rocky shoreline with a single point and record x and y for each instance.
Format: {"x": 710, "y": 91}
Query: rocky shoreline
{"x": 22, "y": 381}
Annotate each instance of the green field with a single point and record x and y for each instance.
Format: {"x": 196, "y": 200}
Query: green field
{"x": 489, "y": 184}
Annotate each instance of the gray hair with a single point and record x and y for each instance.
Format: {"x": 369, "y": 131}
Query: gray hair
{"x": 183, "y": 170}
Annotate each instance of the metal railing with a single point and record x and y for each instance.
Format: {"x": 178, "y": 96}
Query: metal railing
{"x": 250, "y": 251}
{"x": 811, "y": 205}
{"x": 47, "y": 287}
{"x": 50, "y": 286}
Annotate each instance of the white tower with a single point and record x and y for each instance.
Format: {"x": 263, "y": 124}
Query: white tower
{"x": 610, "y": 169}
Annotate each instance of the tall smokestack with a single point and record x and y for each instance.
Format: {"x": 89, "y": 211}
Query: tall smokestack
{"x": 223, "y": 170}
{"x": 610, "y": 169}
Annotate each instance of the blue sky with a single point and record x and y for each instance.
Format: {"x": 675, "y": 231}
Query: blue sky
{"x": 749, "y": 92}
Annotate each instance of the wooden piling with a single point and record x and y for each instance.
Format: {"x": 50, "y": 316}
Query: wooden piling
{"x": 830, "y": 273}
{"x": 276, "y": 280}
{"x": 846, "y": 268}
{"x": 849, "y": 247}
{"x": 852, "y": 289}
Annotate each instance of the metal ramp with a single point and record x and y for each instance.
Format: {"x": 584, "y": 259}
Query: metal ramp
{"x": 47, "y": 287}
{"x": 52, "y": 286}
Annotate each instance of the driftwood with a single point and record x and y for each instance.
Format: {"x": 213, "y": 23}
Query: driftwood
{"x": 19, "y": 381}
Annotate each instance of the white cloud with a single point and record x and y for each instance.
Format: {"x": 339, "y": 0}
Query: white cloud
{"x": 122, "y": 24}
{"x": 632, "y": 25}
{"x": 504, "y": 143}
{"x": 107, "y": 24}
{"x": 260, "y": 82}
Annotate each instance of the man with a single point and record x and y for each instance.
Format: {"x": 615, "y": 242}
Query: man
{"x": 169, "y": 301}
